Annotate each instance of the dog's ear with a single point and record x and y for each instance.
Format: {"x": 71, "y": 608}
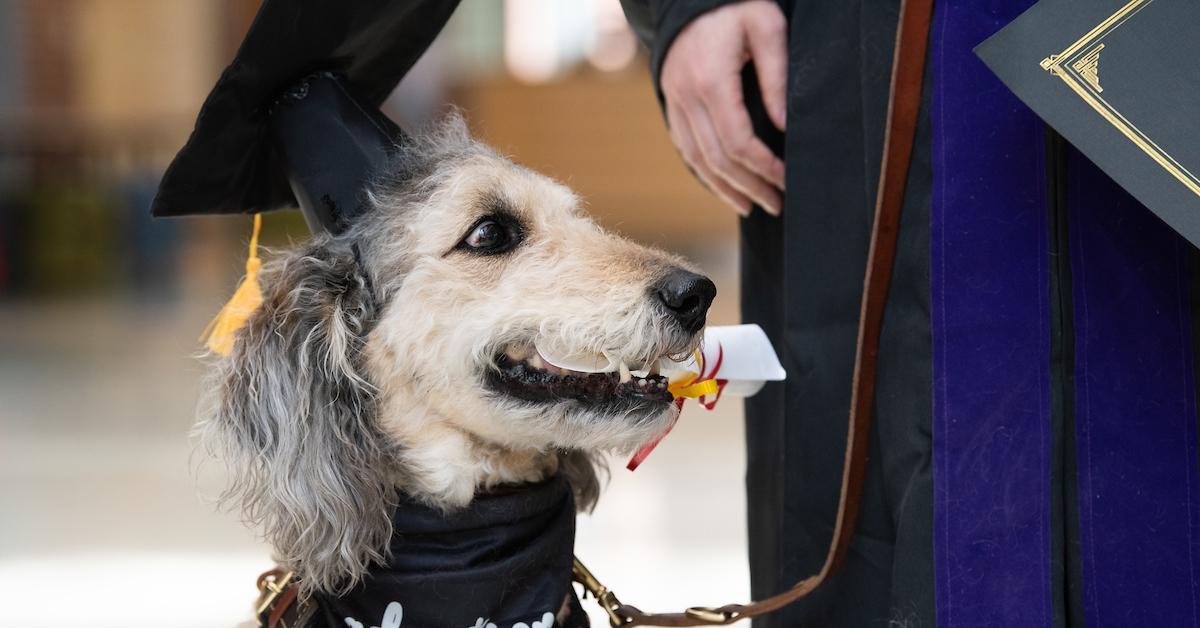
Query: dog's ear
{"x": 583, "y": 470}
{"x": 292, "y": 413}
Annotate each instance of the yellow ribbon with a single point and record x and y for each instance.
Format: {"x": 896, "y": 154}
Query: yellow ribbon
{"x": 689, "y": 388}
{"x": 693, "y": 390}
{"x": 220, "y": 333}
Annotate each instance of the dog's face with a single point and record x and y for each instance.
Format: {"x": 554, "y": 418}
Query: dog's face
{"x": 501, "y": 277}
{"x": 417, "y": 352}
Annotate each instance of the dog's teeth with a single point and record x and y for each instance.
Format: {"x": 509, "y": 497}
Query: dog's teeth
{"x": 654, "y": 368}
{"x": 625, "y": 374}
{"x": 583, "y": 362}
{"x": 537, "y": 362}
{"x": 640, "y": 373}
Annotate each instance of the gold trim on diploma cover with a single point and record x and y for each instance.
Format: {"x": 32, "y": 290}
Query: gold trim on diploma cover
{"x": 1078, "y": 67}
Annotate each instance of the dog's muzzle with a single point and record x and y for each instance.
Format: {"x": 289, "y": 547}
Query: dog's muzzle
{"x": 531, "y": 373}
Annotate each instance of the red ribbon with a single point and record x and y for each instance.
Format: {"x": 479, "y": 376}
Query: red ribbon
{"x": 640, "y": 455}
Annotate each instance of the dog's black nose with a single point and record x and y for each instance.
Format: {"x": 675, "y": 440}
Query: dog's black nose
{"x": 686, "y": 296}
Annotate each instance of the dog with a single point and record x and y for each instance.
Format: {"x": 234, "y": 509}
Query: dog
{"x": 405, "y": 360}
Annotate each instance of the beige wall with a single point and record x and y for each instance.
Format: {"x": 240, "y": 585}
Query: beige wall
{"x": 604, "y": 136}
{"x": 145, "y": 61}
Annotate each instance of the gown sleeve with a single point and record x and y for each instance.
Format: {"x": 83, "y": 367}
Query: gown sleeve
{"x": 658, "y": 22}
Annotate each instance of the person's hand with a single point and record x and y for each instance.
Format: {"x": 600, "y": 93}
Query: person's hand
{"x": 702, "y": 84}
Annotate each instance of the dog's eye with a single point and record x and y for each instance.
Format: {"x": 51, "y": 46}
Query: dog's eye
{"x": 488, "y": 235}
{"x": 491, "y": 236}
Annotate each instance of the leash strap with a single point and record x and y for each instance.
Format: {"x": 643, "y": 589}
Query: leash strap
{"x": 908, "y": 68}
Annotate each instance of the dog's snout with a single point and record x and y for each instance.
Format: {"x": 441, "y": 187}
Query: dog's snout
{"x": 686, "y": 296}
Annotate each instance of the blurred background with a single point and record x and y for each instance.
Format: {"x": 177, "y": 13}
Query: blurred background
{"x": 106, "y": 512}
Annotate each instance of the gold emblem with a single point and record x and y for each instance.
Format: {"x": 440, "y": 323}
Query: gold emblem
{"x": 1078, "y": 67}
{"x": 1088, "y": 66}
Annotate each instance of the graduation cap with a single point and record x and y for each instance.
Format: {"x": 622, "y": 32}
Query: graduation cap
{"x": 294, "y": 121}
{"x": 1118, "y": 79}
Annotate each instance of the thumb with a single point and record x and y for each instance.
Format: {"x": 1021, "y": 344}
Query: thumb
{"x": 766, "y": 35}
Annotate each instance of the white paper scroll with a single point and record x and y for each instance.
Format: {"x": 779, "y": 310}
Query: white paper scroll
{"x": 742, "y": 355}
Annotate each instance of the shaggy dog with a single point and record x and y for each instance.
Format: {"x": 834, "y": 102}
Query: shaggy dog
{"x": 405, "y": 357}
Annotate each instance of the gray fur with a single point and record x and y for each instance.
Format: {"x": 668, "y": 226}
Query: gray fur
{"x": 292, "y": 415}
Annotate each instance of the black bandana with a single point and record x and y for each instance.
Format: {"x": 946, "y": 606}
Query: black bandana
{"x": 502, "y": 562}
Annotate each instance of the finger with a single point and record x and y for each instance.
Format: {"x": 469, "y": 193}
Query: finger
{"x": 740, "y": 203}
{"x": 684, "y": 139}
{"x": 732, "y": 172}
{"x": 767, "y": 40}
{"x": 733, "y": 198}
{"x": 729, "y": 170}
{"x": 728, "y": 113}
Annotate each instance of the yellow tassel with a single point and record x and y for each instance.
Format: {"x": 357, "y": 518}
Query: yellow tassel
{"x": 220, "y": 333}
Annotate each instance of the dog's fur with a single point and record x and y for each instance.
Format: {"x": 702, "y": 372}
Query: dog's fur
{"x": 363, "y": 372}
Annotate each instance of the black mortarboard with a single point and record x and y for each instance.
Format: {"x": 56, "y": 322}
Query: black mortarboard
{"x": 1119, "y": 80}
{"x": 294, "y": 120}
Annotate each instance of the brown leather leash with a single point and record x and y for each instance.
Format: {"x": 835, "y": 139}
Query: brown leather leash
{"x": 908, "y": 69}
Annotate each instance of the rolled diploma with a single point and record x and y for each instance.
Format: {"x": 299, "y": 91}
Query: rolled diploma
{"x": 747, "y": 360}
